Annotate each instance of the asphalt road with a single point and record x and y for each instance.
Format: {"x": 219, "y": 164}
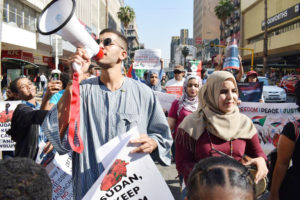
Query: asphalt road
{"x": 170, "y": 173}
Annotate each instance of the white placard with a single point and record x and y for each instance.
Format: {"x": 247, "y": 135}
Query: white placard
{"x": 6, "y": 112}
{"x": 128, "y": 176}
{"x": 165, "y": 99}
{"x": 269, "y": 119}
{"x": 147, "y": 59}
{"x": 60, "y": 173}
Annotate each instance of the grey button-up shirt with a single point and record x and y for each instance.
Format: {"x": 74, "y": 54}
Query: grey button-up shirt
{"x": 104, "y": 115}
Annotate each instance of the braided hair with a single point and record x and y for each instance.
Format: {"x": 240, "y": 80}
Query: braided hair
{"x": 219, "y": 171}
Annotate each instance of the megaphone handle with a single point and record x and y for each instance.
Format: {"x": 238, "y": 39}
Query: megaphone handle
{"x": 76, "y": 67}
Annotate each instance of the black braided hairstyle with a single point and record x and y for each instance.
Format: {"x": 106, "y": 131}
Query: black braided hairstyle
{"x": 219, "y": 171}
{"x": 22, "y": 178}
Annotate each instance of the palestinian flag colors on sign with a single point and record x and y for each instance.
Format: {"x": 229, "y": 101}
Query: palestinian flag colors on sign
{"x": 260, "y": 120}
{"x": 276, "y": 124}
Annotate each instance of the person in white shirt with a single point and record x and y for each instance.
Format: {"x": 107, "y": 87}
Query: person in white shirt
{"x": 178, "y": 79}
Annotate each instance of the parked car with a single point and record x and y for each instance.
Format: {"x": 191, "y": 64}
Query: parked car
{"x": 288, "y": 83}
{"x": 272, "y": 93}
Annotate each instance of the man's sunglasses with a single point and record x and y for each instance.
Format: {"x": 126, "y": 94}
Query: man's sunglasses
{"x": 176, "y": 71}
{"x": 108, "y": 42}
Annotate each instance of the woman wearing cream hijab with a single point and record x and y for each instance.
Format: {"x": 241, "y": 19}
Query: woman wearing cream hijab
{"x": 217, "y": 128}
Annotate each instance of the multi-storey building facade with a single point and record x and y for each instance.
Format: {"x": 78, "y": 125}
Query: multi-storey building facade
{"x": 177, "y": 41}
{"x": 231, "y": 28}
{"x": 206, "y": 25}
{"x": 20, "y": 40}
{"x": 283, "y": 34}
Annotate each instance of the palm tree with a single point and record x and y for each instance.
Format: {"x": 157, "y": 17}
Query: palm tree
{"x": 223, "y": 10}
{"x": 185, "y": 52}
{"x": 265, "y": 56}
{"x": 126, "y": 15}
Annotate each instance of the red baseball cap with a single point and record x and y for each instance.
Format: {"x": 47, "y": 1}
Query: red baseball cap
{"x": 252, "y": 73}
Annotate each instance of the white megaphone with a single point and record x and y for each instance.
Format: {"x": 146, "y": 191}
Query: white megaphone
{"x": 59, "y": 17}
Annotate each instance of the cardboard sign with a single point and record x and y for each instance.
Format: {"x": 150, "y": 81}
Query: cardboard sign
{"x": 177, "y": 90}
{"x": 6, "y": 112}
{"x": 269, "y": 120}
{"x": 165, "y": 99}
{"x": 147, "y": 59}
{"x": 127, "y": 175}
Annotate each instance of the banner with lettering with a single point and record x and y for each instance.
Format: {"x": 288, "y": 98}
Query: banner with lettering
{"x": 269, "y": 119}
{"x": 165, "y": 99}
{"x": 6, "y": 112}
{"x": 250, "y": 92}
{"x": 127, "y": 176}
{"x": 147, "y": 59}
{"x": 60, "y": 174}
{"x": 177, "y": 90}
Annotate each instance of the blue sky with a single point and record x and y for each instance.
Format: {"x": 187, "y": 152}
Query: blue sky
{"x": 159, "y": 20}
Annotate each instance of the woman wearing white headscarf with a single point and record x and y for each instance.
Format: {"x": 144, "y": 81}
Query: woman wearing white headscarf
{"x": 218, "y": 127}
{"x": 187, "y": 104}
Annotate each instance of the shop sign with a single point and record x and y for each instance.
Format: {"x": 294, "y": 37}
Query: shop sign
{"x": 18, "y": 54}
{"x": 11, "y": 54}
{"x": 283, "y": 16}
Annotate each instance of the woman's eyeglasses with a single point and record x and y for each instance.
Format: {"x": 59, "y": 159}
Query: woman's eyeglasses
{"x": 108, "y": 42}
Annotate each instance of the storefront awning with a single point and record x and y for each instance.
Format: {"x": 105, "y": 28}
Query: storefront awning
{"x": 19, "y": 62}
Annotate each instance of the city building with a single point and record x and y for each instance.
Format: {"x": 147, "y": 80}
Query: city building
{"x": 231, "y": 28}
{"x": 176, "y": 41}
{"x": 133, "y": 38}
{"x": 283, "y": 26}
{"x": 179, "y": 58}
{"x": 20, "y": 40}
{"x": 205, "y": 26}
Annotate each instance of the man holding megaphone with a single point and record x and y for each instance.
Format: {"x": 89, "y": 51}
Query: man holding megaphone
{"x": 109, "y": 105}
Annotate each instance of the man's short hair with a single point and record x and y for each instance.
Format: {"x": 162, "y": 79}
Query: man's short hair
{"x": 22, "y": 178}
{"x": 119, "y": 34}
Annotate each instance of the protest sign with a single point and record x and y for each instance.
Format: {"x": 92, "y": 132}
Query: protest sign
{"x": 6, "y": 112}
{"x": 250, "y": 92}
{"x": 147, "y": 59}
{"x": 126, "y": 175}
{"x": 177, "y": 90}
{"x": 231, "y": 57}
{"x": 165, "y": 99}
{"x": 269, "y": 120}
{"x": 194, "y": 68}
{"x": 60, "y": 174}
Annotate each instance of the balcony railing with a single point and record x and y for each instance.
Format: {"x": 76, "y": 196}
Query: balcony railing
{"x": 15, "y": 19}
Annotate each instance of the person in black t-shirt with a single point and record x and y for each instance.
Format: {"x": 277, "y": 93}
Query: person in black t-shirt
{"x": 285, "y": 179}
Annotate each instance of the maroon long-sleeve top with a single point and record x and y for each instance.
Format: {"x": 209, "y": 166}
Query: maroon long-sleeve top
{"x": 187, "y": 158}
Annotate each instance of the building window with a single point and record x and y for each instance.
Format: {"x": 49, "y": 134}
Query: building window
{"x": 22, "y": 15}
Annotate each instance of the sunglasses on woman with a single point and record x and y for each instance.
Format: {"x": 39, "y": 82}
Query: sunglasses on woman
{"x": 108, "y": 42}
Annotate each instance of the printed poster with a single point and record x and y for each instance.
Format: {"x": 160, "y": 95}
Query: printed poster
{"x": 194, "y": 68}
{"x": 250, "y": 92}
{"x": 147, "y": 59}
{"x": 177, "y": 90}
{"x": 231, "y": 60}
{"x": 6, "y": 112}
{"x": 165, "y": 99}
{"x": 60, "y": 174}
{"x": 126, "y": 175}
{"x": 269, "y": 120}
